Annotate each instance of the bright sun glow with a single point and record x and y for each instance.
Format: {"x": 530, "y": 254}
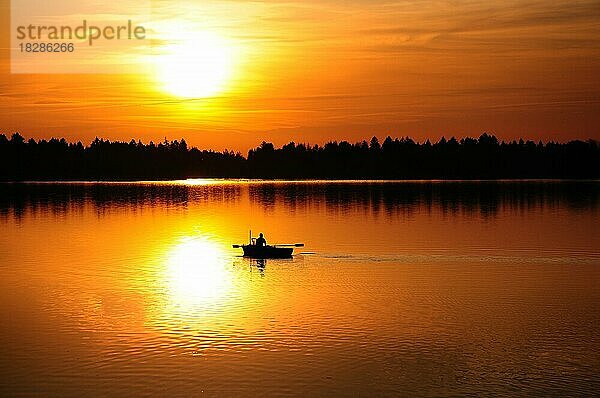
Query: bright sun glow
{"x": 197, "y": 274}
{"x": 197, "y": 66}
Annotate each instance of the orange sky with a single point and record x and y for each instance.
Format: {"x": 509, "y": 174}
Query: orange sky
{"x": 312, "y": 71}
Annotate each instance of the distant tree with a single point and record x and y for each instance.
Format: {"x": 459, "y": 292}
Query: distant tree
{"x": 374, "y": 145}
{"x": 17, "y": 138}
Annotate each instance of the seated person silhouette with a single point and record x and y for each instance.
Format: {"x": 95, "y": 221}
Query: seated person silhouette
{"x": 261, "y": 241}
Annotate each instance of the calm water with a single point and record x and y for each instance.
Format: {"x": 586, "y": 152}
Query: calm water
{"x": 403, "y": 289}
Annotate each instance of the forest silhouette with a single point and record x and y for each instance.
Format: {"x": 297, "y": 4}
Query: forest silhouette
{"x": 400, "y": 158}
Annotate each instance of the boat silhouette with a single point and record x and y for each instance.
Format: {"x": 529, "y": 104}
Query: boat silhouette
{"x": 254, "y": 250}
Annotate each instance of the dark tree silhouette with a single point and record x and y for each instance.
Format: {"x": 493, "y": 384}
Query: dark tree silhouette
{"x": 395, "y": 158}
{"x": 104, "y": 160}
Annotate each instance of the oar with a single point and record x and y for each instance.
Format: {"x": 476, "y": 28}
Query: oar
{"x": 280, "y": 244}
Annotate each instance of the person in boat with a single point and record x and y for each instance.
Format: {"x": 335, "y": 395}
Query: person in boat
{"x": 261, "y": 241}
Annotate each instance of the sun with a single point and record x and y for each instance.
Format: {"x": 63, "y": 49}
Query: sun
{"x": 197, "y": 66}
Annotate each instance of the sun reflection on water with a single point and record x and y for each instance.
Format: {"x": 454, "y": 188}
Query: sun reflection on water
{"x": 196, "y": 274}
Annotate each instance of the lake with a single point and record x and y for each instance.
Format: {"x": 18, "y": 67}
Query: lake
{"x": 402, "y": 289}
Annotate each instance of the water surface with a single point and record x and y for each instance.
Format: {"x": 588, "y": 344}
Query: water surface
{"x": 403, "y": 289}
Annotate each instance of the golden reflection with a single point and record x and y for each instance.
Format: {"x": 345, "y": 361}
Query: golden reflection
{"x": 197, "y": 274}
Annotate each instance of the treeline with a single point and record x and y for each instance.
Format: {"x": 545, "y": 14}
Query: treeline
{"x": 401, "y": 158}
{"x": 57, "y": 159}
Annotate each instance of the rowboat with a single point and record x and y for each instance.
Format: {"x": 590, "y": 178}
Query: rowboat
{"x": 253, "y": 250}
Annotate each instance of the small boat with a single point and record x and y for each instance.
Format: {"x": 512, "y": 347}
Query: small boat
{"x": 256, "y": 251}
{"x": 268, "y": 251}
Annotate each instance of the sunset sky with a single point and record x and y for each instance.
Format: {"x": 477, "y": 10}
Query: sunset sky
{"x": 313, "y": 71}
